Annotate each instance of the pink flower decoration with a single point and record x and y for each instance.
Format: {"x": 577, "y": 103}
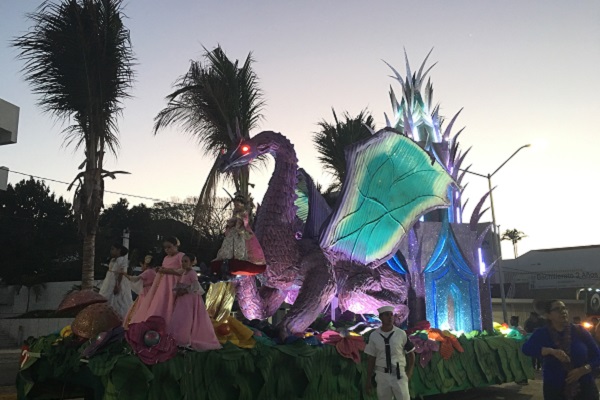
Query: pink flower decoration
{"x": 162, "y": 347}
{"x": 348, "y": 346}
{"x": 425, "y": 348}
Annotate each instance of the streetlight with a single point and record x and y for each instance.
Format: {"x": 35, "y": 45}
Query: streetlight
{"x": 496, "y": 242}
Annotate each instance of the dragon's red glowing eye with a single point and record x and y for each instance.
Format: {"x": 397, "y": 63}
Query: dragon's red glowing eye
{"x": 245, "y": 149}
{"x": 223, "y": 151}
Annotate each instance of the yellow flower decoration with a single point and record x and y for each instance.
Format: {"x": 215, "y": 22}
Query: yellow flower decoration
{"x": 66, "y": 331}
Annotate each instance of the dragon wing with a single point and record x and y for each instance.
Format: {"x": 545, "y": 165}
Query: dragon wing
{"x": 313, "y": 210}
{"x": 390, "y": 182}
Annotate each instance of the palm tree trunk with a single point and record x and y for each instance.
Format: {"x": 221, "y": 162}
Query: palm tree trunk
{"x": 515, "y": 249}
{"x": 93, "y": 187}
{"x": 89, "y": 253}
{"x": 244, "y": 180}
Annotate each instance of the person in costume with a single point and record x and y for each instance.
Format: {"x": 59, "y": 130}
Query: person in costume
{"x": 514, "y": 324}
{"x": 532, "y": 323}
{"x": 160, "y": 299}
{"x": 240, "y": 253}
{"x": 391, "y": 357}
{"x": 114, "y": 288}
{"x": 141, "y": 285}
{"x": 190, "y": 324}
{"x": 569, "y": 353}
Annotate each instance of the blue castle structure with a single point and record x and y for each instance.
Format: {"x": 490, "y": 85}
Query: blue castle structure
{"x": 444, "y": 260}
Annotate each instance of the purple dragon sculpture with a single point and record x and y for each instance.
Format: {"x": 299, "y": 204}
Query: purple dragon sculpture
{"x": 391, "y": 182}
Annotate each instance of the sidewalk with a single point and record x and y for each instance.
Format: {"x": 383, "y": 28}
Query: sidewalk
{"x": 9, "y": 366}
{"x": 8, "y": 393}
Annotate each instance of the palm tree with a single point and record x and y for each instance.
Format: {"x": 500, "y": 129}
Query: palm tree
{"x": 514, "y": 236}
{"x": 332, "y": 140}
{"x": 218, "y": 103}
{"x": 78, "y": 59}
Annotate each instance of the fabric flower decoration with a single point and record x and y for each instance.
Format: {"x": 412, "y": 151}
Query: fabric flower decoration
{"x": 348, "y": 346}
{"x": 448, "y": 344}
{"x": 66, "y": 331}
{"x": 232, "y": 330}
{"x": 103, "y": 339}
{"x": 425, "y": 348}
{"x": 150, "y": 341}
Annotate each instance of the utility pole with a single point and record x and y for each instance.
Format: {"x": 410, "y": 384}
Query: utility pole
{"x": 496, "y": 241}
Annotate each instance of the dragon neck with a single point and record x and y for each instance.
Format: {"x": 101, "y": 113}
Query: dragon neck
{"x": 278, "y": 202}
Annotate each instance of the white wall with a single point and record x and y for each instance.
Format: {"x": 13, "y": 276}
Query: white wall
{"x": 9, "y": 122}
{"x": 13, "y": 304}
{"x": 21, "y": 329}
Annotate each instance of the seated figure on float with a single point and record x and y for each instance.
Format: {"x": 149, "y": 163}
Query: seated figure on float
{"x": 240, "y": 253}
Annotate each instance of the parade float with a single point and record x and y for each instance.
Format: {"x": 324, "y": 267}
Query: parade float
{"x": 395, "y": 237}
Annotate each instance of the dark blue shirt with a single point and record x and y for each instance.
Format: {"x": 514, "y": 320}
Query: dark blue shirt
{"x": 584, "y": 350}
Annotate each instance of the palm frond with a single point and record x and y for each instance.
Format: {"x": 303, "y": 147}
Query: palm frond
{"x": 333, "y": 138}
{"x": 211, "y": 100}
{"x": 78, "y": 60}
{"x": 217, "y": 103}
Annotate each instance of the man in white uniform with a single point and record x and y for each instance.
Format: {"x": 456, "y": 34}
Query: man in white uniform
{"x": 388, "y": 350}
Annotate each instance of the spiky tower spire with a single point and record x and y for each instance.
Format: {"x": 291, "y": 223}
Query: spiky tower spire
{"x": 417, "y": 117}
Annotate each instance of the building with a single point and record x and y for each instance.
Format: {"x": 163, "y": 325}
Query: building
{"x": 9, "y": 124}
{"x": 571, "y": 274}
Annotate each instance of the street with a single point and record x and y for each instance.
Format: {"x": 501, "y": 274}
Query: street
{"x": 512, "y": 391}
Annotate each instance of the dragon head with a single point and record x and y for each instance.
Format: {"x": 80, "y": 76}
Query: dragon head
{"x": 247, "y": 151}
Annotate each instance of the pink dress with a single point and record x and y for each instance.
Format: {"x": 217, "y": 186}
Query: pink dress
{"x": 190, "y": 324}
{"x": 160, "y": 298}
{"x": 145, "y": 280}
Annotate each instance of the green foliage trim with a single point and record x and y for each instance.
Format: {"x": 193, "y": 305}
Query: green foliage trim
{"x": 295, "y": 371}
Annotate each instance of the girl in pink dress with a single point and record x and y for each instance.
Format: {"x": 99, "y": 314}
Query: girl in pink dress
{"x": 160, "y": 298}
{"x": 141, "y": 284}
{"x": 190, "y": 324}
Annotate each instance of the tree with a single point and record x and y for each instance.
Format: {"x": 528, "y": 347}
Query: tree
{"x": 148, "y": 225}
{"x": 514, "y": 236}
{"x": 332, "y": 140}
{"x": 37, "y": 233}
{"x": 78, "y": 59}
{"x": 218, "y": 103}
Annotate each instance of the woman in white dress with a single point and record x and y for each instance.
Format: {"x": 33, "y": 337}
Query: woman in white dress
{"x": 116, "y": 289}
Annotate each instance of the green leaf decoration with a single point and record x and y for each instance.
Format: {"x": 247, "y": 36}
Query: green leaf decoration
{"x": 102, "y": 364}
{"x": 266, "y": 372}
{"x": 131, "y": 378}
{"x": 391, "y": 182}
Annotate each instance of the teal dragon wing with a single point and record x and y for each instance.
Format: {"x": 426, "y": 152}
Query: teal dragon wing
{"x": 390, "y": 182}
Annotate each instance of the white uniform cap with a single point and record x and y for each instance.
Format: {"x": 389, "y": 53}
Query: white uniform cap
{"x": 383, "y": 309}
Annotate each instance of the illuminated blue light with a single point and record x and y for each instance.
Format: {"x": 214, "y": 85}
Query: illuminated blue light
{"x": 482, "y": 267}
{"x": 396, "y": 264}
{"x": 451, "y": 287}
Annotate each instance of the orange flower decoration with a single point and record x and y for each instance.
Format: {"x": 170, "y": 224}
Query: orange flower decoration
{"x": 448, "y": 344}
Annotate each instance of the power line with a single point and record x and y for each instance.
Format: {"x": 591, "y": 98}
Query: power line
{"x": 106, "y": 191}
